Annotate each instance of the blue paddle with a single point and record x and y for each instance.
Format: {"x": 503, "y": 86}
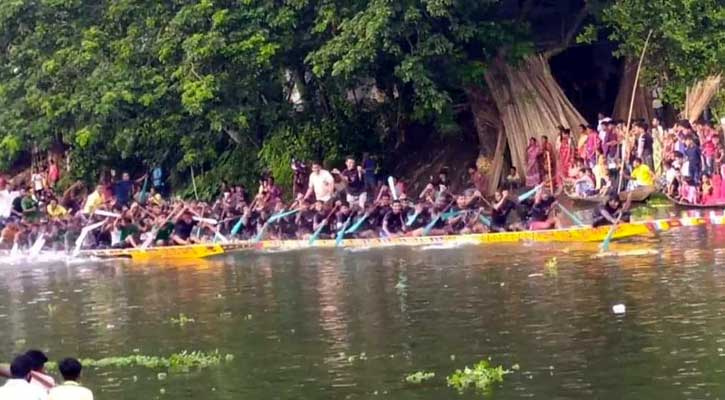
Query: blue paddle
{"x": 570, "y": 214}
{"x": 528, "y": 194}
{"x": 272, "y": 220}
{"x": 323, "y": 223}
{"x": 605, "y": 244}
{"x": 358, "y": 223}
{"x": 341, "y": 233}
{"x": 242, "y": 221}
{"x": 412, "y": 218}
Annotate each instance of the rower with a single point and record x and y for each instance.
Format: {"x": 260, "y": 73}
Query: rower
{"x": 541, "y": 215}
{"x": 608, "y": 212}
{"x": 394, "y": 222}
{"x": 305, "y": 220}
{"x": 500, "y": 211}
{"x": 182, "y": 229}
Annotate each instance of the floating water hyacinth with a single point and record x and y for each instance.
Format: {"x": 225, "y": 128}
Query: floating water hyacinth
{"x": 183, "y": 361}
{"x": 480, "y": 377}
{"x": 182, "y": 320}
{"x": 552, "y": 267}
{"x": 419, "y": 377}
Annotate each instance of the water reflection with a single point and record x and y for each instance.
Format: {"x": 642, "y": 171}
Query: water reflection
{"x": 337, "y": 324}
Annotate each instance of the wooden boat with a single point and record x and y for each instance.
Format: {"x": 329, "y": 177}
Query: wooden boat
{"x": 684, "y": 204}
{"x": 639, "y": 195}
{"x": 574, "y": 234}
{"x": 194, "y": 251}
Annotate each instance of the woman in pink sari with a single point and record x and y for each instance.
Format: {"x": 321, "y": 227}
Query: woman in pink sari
{"x": 532, "y": 163}
{"x": 565, "y": 156}
{"x": 590, "y": 148}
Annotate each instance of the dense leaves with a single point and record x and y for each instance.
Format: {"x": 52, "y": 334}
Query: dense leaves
{"x": 688, "y": 40}
{"x": 235, "y": 87}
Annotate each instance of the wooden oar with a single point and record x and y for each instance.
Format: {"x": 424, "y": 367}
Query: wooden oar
{"x": 104, "y": 213}
{"x": 82, "y": 237}
{"x": 391, "y": 185}
{"x": 605, "y": 244}
{"x": 155, "y": 230}
{"x": 323, "y": 223}
{"x": 210, "y": 221}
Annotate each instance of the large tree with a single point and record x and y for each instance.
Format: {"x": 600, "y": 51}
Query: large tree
{"x": 687, "y": 43}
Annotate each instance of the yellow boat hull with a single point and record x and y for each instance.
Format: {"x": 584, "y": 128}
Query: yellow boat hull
{"x": 569, "y": 235}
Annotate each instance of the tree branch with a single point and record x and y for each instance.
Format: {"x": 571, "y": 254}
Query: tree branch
{"x": 569, "y": 37}
{"x": 526, "y": 9}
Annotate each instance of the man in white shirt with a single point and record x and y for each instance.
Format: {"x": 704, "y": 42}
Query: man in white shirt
{"x": 6, "y": 199}
{"x": 321, "y": 183}
{"x": 70, "y": 368}
{"x": 19, "y": 387}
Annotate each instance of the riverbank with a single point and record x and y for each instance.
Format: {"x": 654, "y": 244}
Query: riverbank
{"x": 325, "y": 323}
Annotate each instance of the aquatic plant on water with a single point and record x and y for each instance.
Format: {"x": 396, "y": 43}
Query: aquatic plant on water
{"x": 420, "y": 377}
{"x": 552, "y": 267}
{"x": 182, "y": 320}
{"x": 183, "y": 361}
{"x": 480, "y": 377}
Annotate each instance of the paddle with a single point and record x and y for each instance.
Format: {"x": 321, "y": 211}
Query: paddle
{"x": 341, "y": 234}
{"x": 142, "y": 196}
{"x": 391, "y": 185}
{"x": 527, "y": 195}
{"x": 570, "y": 214}
{"x": 413, "y": 217}
{"x": 108, "y": 214}
{"x": 484, "y": 220}
{"x": 605, "y": 244}
{"x": 210, "y": 221}
{"x": 82, "y": 237}
{"x": 360, "y": 221}
{"x": 274, "y": 218}
{"x": 155, "y": 230}
{"x": 435, "y": 220}
{"x": 37, "y": 245}
{"x": 323, "y": 223}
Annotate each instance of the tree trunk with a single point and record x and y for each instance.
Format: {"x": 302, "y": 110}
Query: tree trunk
{"x": 491, "y": 143}
{"x": 643, "y": 98}
{"x": 530, "y": 103}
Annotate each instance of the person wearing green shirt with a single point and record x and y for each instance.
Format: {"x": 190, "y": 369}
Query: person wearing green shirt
{"x": 30, "y": 207}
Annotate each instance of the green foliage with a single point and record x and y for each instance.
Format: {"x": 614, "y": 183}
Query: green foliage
{"x": 183, "y": 361}
{"x": 688, "y": 40}
{"x": 480, "y": 377}
{"x": 232, "y": 88}
{"x": 419, "y": 377}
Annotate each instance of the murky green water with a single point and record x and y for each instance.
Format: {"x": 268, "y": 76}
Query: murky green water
{"x": 299, "y": 322}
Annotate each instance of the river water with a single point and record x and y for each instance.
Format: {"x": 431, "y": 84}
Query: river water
{"x": 334, "y": 324}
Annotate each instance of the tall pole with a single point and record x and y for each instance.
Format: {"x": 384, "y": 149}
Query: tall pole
{"x": 631, "y": 108}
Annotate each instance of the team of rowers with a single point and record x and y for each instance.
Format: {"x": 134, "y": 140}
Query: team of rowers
{"x": 333, "y": 205}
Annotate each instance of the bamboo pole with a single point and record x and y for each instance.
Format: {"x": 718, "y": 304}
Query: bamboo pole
{"x": 631, "y": 108}
{"x": 551, "y": 181}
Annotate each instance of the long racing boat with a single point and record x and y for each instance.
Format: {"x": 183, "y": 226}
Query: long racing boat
{"x": 573, "y": 234}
